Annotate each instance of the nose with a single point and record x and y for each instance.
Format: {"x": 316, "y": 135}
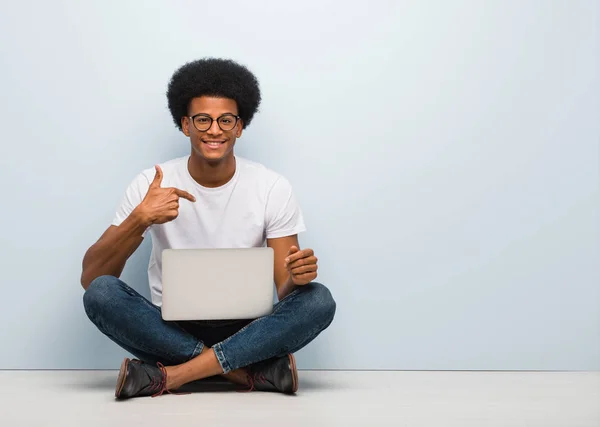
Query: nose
{"x": 214, "y": 129}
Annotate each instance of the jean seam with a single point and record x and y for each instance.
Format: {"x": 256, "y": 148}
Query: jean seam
{"x": 149, "y": 304}
{"x": 294, "y": 292}
{"x": 312, "y": 334}
{"x": 141, "y": 347}
{"x": 255, "y": 321}
{"x": 219, "y": 349}
{"x": 221, "y": 358}
{"x": 197, "y": 350}
{"x": 133, "y": 293}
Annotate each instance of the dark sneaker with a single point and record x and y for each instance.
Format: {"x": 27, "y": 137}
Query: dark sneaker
{"x": 137, "y": 378}
{"x": 278, "y": 374}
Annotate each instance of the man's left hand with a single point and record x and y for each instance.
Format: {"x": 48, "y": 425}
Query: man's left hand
{"x": 302, "y": 265}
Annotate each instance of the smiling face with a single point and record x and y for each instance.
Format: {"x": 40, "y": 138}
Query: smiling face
{"x": 212, "y": 144}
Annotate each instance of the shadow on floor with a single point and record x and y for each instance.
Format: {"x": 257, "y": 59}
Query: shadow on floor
{"x": 108, "y": 382}
{"x": 212, "y": 384}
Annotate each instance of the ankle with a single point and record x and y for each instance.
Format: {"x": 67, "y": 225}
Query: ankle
{"x": 173, "y": 382}
{"x": 239, "y": 376}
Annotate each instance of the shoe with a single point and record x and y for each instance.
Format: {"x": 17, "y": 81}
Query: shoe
{"x": 137, "y": 378}
{"x": 278, "y": 374}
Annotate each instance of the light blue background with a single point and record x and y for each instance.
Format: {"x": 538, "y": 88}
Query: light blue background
{"x": 445, "y": 154}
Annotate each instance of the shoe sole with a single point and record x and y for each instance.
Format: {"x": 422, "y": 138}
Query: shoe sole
{"x": 294, "y": 373}
{"x": 121, "y": 378}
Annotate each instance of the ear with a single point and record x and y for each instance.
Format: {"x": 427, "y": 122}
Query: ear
{"x": 240, "y": 128}
{"x": 185, "y": 126}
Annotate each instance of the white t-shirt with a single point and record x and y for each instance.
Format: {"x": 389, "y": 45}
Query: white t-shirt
{"x": 255, "y": 205}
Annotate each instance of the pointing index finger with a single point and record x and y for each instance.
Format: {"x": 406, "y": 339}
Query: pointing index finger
{"x": 185, "y": 194}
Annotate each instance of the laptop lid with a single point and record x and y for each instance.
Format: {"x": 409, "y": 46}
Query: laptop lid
{"x": 217, "y": 284}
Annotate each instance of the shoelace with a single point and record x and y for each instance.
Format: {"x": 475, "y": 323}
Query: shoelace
{"x": 161, "y": 385}
{"x": 253, "y": 379}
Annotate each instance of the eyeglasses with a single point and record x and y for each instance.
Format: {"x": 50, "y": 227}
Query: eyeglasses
{"x": 203, "y": 122}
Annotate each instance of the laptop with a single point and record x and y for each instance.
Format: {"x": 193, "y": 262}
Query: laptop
{"x": 217, "y": 284}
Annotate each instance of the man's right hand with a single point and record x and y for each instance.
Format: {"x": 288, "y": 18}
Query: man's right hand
{"x": 161, "y": 205}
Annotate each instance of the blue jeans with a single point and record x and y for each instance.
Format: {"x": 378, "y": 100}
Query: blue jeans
{"x": 136, "y": 325}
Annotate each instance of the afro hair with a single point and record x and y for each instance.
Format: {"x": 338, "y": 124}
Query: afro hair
{"x": 222, "y": 78}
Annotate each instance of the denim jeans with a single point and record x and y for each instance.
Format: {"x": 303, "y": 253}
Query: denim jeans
{"x": 136, "y": 325}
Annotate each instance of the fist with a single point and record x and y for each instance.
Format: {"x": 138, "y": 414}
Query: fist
{"x": 302, "y": 265}
{"x": 161, "y": 205}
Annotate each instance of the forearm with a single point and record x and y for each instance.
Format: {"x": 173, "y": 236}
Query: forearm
{"x": 109, "y": 254}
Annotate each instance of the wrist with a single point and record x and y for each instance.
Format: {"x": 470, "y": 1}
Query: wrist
{"x": 287, "y": 288}
{"x": 289, "y": 283}
{"x": 141, "y": 218}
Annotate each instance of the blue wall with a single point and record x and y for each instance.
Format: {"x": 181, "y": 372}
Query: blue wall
{"x": 445, "y": 155}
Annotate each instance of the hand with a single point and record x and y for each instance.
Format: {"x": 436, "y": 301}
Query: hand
{"x": 161, "y": 205}
{"x": 302, "y": 265}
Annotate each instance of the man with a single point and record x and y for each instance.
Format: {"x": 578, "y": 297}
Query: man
{"x": 209, "y": 199}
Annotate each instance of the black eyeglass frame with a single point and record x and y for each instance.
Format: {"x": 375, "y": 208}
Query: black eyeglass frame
{"x": 237, "y": 119}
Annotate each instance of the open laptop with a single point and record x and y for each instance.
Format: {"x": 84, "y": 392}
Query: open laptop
{"x": 217, "y": 284}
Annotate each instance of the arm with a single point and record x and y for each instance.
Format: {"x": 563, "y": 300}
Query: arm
{"x": 293, "y": 267}
{"x": 110, "y": 253}
{"x": 283, "y": 280}
{"x": 284, "y": 221}
{"x": 112, "y": 250}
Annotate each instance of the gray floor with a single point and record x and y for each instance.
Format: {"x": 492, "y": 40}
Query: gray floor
{"x": 325, "y": 398}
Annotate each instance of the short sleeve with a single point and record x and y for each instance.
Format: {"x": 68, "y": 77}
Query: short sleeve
{"x": 134, "y": 194}
{"x": 283, "y": 215}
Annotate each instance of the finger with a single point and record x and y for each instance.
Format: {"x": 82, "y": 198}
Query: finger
{"x": 157, "y": 178}
{"x": 303, "y": 261}
{"x": 173, "y": 205}
{"x": 299, "y": 254}
{"x": 305, "y": 278}
{"x": 291, "y": 251}
{"x": 184, "y": 194}
{"x": 304, "y": 269}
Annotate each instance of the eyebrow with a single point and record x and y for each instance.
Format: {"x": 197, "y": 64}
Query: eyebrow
{"x": 206, "y": 114}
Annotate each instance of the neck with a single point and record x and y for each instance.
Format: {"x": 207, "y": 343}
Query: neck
{"x": 211, "y": 174}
